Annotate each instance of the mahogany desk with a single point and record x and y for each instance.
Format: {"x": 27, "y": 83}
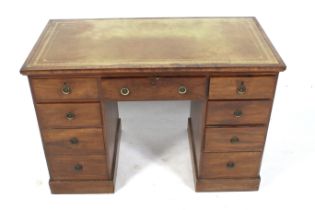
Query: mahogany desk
{"x": 226, "y": 67}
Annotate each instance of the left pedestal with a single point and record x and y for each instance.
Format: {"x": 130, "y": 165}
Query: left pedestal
{"x": 80, "y": 134}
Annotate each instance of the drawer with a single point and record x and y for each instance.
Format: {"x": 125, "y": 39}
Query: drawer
{"x": 69, "y": 115}
{"x": 234, "y": 139}
{"x": 230, "y": 165}
{"x": 242, "y": 87}
{"x": 64, "y": 89}
{"x": 158, "y": 88}
{"x": 73, "y": 141}
{"x": 238, "y": 112}
{"x": 78, "y": 167}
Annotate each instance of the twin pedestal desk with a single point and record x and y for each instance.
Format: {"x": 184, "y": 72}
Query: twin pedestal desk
{"x": 80, "y": 69}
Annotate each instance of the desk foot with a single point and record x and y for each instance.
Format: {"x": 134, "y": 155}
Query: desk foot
{"x": 237, "y": 184}
{"x": 81, "y": 186}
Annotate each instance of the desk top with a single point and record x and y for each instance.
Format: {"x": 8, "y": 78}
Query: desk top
{"x": 114, "y": 45}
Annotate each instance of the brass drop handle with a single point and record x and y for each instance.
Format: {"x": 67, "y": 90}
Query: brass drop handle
{"x": 74, "y": 140}
{"x": 70, "y": 115}
{"x": 234, "y": 140}
{"x": 182, "y": 90}
{"x": 66, "y": 89}
{"x": 78, "y": 167}
{"x": 230, "y": 164}
{"x": 241, "y": 89}
{"x": 238, "y": 113}
{"x": 124, "y": 91}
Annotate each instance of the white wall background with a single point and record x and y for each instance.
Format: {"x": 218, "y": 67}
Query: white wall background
{"x": 154, "y": 167}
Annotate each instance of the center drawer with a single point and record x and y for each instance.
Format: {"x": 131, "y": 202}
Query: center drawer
{"x": 156, "y": 88}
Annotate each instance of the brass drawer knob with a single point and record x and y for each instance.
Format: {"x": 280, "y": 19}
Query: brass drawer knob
{"x": 124, "y": 91}
{"x": 238, "y": 113}
{"x": 234, "y": 140}
{"x": 74, "y": 140}
{"x": 182, "y": 90}
{"x": 78, "y": 167}
{"x": 70, "y": 115}
{"x": 241, "y": 90}
{"x": 66, "y": 89}
{"x": 230, "y": 164}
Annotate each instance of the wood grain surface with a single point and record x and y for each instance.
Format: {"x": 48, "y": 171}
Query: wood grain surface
{"x": 253, "y": 112}
{"x": 93, "y": 167}
{"x": 51, "y": 89}
{"x": 54, "y": 115}
{"x": 228, "y": 139}
{"x": 214, "y": 165}
{"x": 255, "y": 87}
{"x": 86, "y": 141}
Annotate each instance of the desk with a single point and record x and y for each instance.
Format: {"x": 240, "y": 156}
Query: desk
{"x": 226, "y": 67}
